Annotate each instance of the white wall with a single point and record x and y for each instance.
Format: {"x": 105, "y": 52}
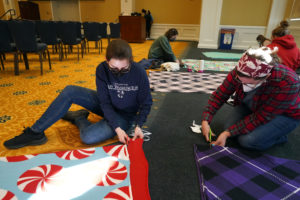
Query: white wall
{"x": 295, "y": 31}
{"x": 245, "y": 36}
{"x": 276, "y": 15}
{"x": 209, "y": 25}
{"x": 127, "y": 7}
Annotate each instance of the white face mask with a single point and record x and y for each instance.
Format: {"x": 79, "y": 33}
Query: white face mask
{"x": 250, "y": 87}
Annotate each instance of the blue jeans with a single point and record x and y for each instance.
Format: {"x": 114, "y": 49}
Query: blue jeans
{"x": 266, "y": 135}
{"x": 90, "y": 133}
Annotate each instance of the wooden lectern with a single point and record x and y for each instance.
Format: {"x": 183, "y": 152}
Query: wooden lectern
{"x": 133, "y": 28}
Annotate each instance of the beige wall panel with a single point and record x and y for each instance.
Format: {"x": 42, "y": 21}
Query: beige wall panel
{"x": 100, "y": 11}
{"x": 246, "y": 12}
{"x": 288, "y": 9}
{"x": 17, "y": 8}
{"x": 1, "y": 8}
{"x": 172, "y": 11}
{"x": 294, "y": 9}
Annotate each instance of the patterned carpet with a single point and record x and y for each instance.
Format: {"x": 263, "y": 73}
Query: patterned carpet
{"x": 25, "y": 97}
{"x": 185, "y": 82}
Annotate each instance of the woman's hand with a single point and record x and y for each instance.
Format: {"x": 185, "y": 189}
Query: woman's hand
{"x": 138, "y": 133}
{"x": 123, "y": 137}
{"x": 221, "y": 140}
{"x": 205, "y": 130}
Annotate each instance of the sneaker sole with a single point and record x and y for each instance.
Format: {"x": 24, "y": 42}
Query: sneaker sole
{"x": 32, "y": 143}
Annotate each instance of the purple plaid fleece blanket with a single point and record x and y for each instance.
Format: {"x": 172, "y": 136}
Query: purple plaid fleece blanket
{"x": 228, "y": 173}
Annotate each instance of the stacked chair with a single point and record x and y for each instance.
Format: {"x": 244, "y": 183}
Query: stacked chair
{"x": 103, "y": 31}
{"x": 115, "y": 30}
{"x": 48, "y": 35}
{"x": 69, "y": 35}
{"x": 21, "y": 37}
{"x": 92, "y": 33}
{"x": 7, "y": 44}
{"x": 26, "y": 29}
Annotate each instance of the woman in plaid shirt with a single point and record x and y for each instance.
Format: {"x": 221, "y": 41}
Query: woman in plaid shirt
{"x": 266, "y": 103}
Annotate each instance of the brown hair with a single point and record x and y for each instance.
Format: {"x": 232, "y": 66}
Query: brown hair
{"x": 281, "y": 30}
{"x": 261, "y": 39}
{"x": 171, "y": 32}
{"x": 118, "y": 49}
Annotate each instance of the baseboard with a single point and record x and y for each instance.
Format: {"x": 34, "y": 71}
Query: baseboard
{"x": 188, "y": 32}
{"x": 207, "y": 45}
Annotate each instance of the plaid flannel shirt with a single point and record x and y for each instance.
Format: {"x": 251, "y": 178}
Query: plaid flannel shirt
{"x": 279, "y": 95}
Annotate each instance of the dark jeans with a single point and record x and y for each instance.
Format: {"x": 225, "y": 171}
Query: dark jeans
{"x": 264, "y": 136}
{"x": 90, "y": 133}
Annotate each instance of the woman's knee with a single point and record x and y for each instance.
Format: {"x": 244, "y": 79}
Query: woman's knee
{"x": 68, "y": 90}
{"x": 250, "y": 142}
{"x": 92, "y": 136}
{"x": 87, "y": 138}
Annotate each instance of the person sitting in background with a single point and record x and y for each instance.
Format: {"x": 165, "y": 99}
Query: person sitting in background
{"x": 263, "y": 41}
{"x": 122, "y": 98}
{"x": 288, "y": 50}
{"x": 161, "y": 48}
{"x": 267, "y": 102}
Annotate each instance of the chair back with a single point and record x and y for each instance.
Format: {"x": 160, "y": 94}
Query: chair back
{"x": 91, "y": 31}
{"x": 37, "y": 30}
{"x": 68, "y": 32}
{"x": 24, "y": 35}
{"x": 115, "y": 30}
{"x": 103, "y": 30}
{"x": 47, "y": 31}
{"x": 5, "y": 37}
{"x": 58, "y": 26}
{"x": 78, "y": 30}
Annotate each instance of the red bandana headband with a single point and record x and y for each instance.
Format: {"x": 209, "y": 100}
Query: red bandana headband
{"x": 252, "y": 67}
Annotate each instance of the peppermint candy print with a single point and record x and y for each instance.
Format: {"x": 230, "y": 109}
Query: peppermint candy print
{"x": 35, "y": 179}
{"x": 16, "y": 158}
{"x": 76, "y": 154}
{"x": 122, "y": 193}
{"x": 115, "y": 174}
{"x": 118, "y": 151}
{"x": 7, "y": 195}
